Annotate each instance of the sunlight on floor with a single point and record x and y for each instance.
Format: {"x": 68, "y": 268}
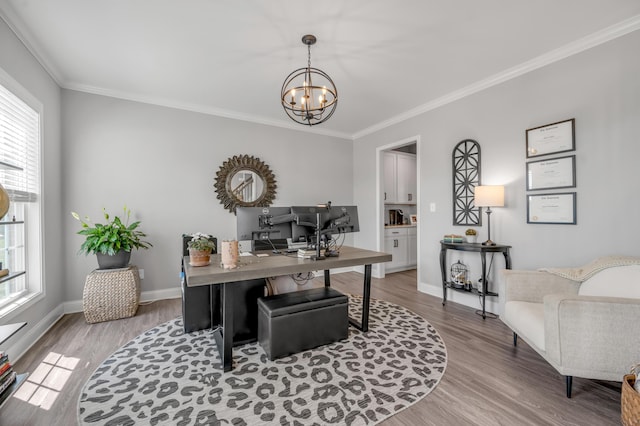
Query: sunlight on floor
{"x": 43, "y": 385}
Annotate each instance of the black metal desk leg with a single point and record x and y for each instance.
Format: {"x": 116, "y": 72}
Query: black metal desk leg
{"x": 366, "y": 297}
{"x": 507, "y": 259}
{"x": 224, "y": 335}
{"x": 327, "y": 278}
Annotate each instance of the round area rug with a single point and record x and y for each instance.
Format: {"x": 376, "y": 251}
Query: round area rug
{"x": 165, "y": 376}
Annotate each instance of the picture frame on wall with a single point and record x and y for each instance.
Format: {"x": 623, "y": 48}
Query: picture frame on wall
{"x": 551, "y": 138}
{"x": 552, "y": 173}
{"x": 553, "y": 208}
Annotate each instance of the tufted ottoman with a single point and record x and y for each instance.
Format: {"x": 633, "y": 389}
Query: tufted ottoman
{"x": 293, "y": 322}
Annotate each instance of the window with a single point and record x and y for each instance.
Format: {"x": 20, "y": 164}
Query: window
{"x": 20, "y": 241}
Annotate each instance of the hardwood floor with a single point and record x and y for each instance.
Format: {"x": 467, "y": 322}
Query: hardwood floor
{"x": 487, "y": 381}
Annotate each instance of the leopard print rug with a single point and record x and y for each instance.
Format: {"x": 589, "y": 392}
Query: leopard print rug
{"x": 167, "y": 377}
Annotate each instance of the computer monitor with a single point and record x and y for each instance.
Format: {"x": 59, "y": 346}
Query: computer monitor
{"x": 271, "y": 225}
{"x": 334, "y": 220}
{"x": 342, "y": 219}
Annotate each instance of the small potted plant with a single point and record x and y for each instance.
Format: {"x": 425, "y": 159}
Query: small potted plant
{"x": 471, "y": 235}
{"x": 113, "y": 241}
{"x": 200, "y": 247}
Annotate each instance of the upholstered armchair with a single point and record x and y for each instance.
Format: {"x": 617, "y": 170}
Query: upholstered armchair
{"x": 585, "y": 322}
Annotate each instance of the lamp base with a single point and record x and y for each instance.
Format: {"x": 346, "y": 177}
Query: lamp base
{"x": 488, "y": 243}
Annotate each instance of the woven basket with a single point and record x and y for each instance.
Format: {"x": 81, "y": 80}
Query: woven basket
{"x": 111, "y": 294}
{"x": 630, "y": 402}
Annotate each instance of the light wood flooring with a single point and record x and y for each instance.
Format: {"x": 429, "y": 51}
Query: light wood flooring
{"x": 487, "y": 381}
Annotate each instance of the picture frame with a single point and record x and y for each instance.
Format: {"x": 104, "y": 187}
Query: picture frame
{"x": 552, "y": 208}
{"x": 414, "y": 219}
{"x": 551, "y": 173}
{"x": 551, "y": 138}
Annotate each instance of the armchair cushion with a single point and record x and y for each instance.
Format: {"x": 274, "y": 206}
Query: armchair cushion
{"x": 622, "y": 281}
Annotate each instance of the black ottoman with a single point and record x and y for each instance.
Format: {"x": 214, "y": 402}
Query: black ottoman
{"x": 294, "y": 322}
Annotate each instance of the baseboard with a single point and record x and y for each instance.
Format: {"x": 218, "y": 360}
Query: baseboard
{"x": 24, "y": 342}
{"x": 75, "y": 306}
{"x": 467, "y": 299}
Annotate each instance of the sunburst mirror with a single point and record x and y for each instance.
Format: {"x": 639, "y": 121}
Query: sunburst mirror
{"x": 245, "y": 181}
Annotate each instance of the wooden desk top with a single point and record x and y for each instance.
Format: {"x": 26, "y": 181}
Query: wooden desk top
{"x": 252, "y": 267}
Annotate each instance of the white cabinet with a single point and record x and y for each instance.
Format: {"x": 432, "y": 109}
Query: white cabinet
{"x": 390, "y": 179}
{"x": 399, "y": 178}
{"x": 401, "y": 243}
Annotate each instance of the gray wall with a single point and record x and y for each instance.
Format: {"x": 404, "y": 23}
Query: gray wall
{"x": 600, "y": 88}
{"x": 161, "y": 162}
{"x": 16, "y": 61}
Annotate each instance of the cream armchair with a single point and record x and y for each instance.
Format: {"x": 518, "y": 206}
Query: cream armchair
{"x": 585, "y": 327}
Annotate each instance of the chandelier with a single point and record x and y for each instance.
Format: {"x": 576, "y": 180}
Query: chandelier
{"x": 308, "y": 94}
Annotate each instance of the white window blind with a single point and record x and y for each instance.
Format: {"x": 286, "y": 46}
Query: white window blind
{"x": 19, "y": 148}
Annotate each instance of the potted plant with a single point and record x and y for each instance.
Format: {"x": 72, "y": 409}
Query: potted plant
{"x": 113, "y": 241}
{"x": 200, "y": 247}
{"x": 471, "y": 235}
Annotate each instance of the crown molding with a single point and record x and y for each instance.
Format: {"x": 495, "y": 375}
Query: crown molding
{"x": 203, "y": 109}
{"x": 610, "y": 33}
{"x": 17, "y": 26}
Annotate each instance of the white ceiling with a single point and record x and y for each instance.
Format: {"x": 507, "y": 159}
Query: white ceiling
{"x": 389, "y": 59}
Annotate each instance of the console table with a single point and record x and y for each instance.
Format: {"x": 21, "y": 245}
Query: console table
{"x": 271, "y": 265}
{"x": 474, "y": 247}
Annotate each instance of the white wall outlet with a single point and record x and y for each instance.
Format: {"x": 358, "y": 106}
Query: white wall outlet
{"x": 141, "y": 273}
{"x": 432, "y": 207}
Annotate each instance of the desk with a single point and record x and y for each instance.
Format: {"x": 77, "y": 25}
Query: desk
{"x": 476, "y": 247}
{"x": 254, "y": 267}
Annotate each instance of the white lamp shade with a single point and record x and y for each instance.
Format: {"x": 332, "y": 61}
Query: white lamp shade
{"x": 489, "y": 196}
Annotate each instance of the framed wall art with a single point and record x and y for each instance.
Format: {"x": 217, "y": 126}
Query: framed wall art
{"x": 553, "y": 173}
{"x": 551, "y": 138}
{"x": 557, "y": 208}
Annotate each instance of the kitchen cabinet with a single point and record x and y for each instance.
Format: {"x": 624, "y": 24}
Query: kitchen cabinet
{"x": 399, "y": 178}
{"x": 401, "y": 243}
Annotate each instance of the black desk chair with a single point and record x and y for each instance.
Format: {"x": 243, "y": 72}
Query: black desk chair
{"x": 201, "y": 305}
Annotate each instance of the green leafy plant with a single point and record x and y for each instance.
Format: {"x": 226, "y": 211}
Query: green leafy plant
{"x": 113, "y": 236}
{"x": 200, "y": 241}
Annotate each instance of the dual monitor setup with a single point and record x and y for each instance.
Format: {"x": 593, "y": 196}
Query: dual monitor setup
{"x": 289, "y": 229}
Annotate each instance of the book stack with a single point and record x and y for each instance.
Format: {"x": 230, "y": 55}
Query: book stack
{"x": 7, "y": 375}
{"x": 453, "y": 238}
{"x": 308, "y": 253}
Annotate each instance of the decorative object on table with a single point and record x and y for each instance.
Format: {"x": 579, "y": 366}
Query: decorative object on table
{"x": 471, "y": 235}
{"x": 4, "y": 201}
{"x": 245, "y": 181}
{"x": 557, "y": 208}
{"x": 489, "y": 196}
{"x": 318, "y": 96}
{"x": 113, "y": 241}
{"x": 200, "y": 247}
{"x": 551, "y": 138}
{"x": 111, "y": 294}
{"x": 453, "y": 238}
{"x": 188, "y": 374}
{"x": 466, "y": 176}
{"x": 459, "y": 275}
{"x": 414, "y": 219}
{"x": 230, "y": 254}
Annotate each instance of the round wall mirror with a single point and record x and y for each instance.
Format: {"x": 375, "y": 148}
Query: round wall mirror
{"x": 245, "y": 181}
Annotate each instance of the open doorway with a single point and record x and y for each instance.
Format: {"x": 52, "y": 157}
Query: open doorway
{"x": 398, "y": 176}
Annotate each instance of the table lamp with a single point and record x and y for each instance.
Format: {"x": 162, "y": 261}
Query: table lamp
{"x": 489, "y": 196}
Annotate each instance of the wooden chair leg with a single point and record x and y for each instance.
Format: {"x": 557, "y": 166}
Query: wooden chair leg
{"x": 569, "y": 383}
{"x": 515, "y": 339}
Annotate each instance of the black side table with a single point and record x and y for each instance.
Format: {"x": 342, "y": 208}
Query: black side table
{"x": 479, "y": 248}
